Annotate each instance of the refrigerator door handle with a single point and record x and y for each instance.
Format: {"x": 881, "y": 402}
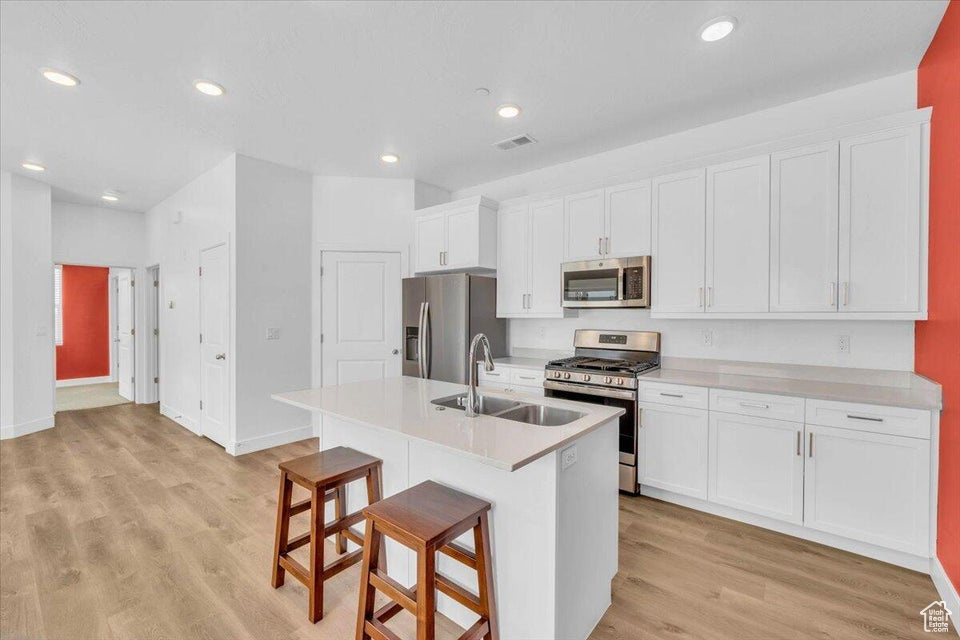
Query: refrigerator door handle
{"x": 420, "y": 342}
{"x": 426, "y": 340}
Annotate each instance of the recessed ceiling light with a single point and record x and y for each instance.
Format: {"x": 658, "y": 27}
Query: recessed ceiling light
{"x": 207, "y": 87}
{"x": 33, "y": 166}
{"x": 718, "y": 28}
{"x": 508, "y": 111}
{"x": 389, "y": 158}
{"x": 60, "y": 77}
{"x": 109, "y": 197}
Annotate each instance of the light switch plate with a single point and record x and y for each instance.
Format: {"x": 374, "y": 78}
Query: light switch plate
{"x": 273, "y": 333}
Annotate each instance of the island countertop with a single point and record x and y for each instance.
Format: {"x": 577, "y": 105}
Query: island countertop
{"x": 403, "y": 405}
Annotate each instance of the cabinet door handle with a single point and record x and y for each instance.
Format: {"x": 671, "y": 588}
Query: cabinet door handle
{"x": 799, "y": 438}
{"x": 606, "y": 245}
{"x": 810, "y": 446}
{"x": 853, "y": 417}
{"x": 755, "y": 405}
{"x": 700, "y": 296}
{"x": 832, "y": 295}
{"x": 709, "y": 296}
{"x": 845, "y": 293}
{"x": 671, "y": 395}
{"x": 527, "y": 377}
{"x": 600, "y": 245}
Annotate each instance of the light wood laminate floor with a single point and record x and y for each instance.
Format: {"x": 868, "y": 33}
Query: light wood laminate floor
{"x": 119, "y": 523}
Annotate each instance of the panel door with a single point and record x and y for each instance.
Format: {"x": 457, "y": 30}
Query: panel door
{"x": 215, "y": 370}
{"x": 672, "y": 449}
{"x": 679, "y": 227}
{"x": 868, "y": 486}
{"x": 756, "y": 464}
{"x": 430, "y": 239}
{"x": 361, "y": 322}
{"x": 628, "y": 220}
{"x": 583, "y": 225}
{"x": 880, "y": 221}
{"x": 738, "y": 236}
{"x": 462, "y": 244}
{"x": 804, "y": 220}
{"x": 546, "y": 256}
{"x": 512, "y": 270}
{"x": 125, "y": 338}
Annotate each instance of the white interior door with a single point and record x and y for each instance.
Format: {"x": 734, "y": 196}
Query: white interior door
{"x": 214, "y": 340}
{"x": 125, "y": 344}
{"x": 360, "y": 316}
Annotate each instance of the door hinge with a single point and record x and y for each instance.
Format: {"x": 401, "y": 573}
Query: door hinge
{"x": 321, "y": 272}
{"x": 133, "y": 332}
{"x": 201, "y": 404}
{"x": 132, "y": 282}
{"x": 156, "y": 332}
{"x": 321, "y": 338}
{"x": 132, "y": 379}
{"x": 156, "y": 379}
{"x": 201, "y": 338}
{"x": 156, "y": 283}
{"x": 201, "y": 270}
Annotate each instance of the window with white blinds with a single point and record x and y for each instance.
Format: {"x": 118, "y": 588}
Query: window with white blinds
{"x": 58, "y": 303}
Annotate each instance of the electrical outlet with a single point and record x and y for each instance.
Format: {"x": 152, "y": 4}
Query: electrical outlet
{"x": 706, "y": 337}
{"x": 568, "y": 457}
{"x": 843, "y": 344}
{"x": 273, "y": 333}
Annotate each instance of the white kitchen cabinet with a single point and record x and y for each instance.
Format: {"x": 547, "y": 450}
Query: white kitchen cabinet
{"x": 529, "y": 259}
{"x": 756, "y": 465}
{"x": 457, "y": 236}
{"x": 511, "y": 378}
{"x": 738, "y": 236}
{"x": 628, "y": 211}
{"x": 672, "y": 448}
{"x": 868, "y": 486}
{"x": 880, "y": 212}
{"x": 584, "y": 226}
{"x": 679, "y": 227}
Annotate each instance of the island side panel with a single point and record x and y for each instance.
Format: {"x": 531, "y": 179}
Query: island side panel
{"x": 587, "y": 530}
{"x": 523, "y": 522}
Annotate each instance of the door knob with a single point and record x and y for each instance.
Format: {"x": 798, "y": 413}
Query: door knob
{"x": 395, "y": 351}
{"x": 221, "y": 356}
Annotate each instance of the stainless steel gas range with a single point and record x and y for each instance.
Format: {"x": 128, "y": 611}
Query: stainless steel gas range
{"x": 604, "y": 370}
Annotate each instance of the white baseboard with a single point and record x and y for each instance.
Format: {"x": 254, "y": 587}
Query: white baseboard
{"x": 240, "y": 447}
{"x": 947, "y": 591}
{"x": 76, "y": 382}
{"x": 892, "y": 556}
{"x": 179, "y": 418}
{"x": 24, "y": 428}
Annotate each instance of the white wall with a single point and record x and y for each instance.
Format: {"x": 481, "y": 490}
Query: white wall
{"x": 273, "y": 250}
{"x": 200, "y": 215}
{"x": 87, "y": 235}
{"x": 26, "y": 307}
{"x": 884, "y": 345}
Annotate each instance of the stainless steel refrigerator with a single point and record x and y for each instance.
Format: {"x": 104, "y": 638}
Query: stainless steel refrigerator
{"x": 441, "y": 314}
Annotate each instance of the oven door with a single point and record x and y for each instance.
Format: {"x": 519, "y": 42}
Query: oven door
{"x": 621, "y": 398}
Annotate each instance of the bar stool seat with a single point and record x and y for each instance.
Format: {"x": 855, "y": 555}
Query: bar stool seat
{"x": 426, "y": 518}
{"x": 326, "y": 475}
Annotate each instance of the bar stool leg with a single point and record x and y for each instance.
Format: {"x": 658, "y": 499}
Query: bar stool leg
{"x": 426, "y": 593}
{"x": 283, "y": 528}
{"x": 315, "y": 612}
{"x": 340, "y": 510}
{"x": 371, "y": 554}
{"x": 374, "y": 495}
{"x": 481, "y": 540}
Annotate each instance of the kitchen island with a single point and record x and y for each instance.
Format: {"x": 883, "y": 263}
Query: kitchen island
{"x": 553, "y": 491}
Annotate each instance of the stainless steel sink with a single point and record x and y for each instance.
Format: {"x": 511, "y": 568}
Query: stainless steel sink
{"x": 541, "y": 415}
{"x": 536, "y": 414}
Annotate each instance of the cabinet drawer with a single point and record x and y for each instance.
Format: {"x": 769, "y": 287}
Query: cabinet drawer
{"x": 757, "y": 404}
{"x": 501, "y": 376}
{"x": 527, "y": 377}
{"x": 913, "y": 423}
{"x": 674, "y": 394}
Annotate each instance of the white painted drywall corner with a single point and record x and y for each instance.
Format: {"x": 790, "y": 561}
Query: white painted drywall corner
{"x": 98, "y": 236}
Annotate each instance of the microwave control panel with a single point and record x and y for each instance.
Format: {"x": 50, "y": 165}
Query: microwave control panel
{"x": 633, "y": 283}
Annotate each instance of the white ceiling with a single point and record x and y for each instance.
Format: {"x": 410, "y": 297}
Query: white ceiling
{"x": 326, "y": 87}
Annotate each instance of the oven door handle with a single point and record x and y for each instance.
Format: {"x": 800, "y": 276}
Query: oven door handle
{"x": 591, "y": 391}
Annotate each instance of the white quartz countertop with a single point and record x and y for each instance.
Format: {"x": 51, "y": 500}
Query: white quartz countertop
{"x": 915, "y": 393}
{"x": 403, "y": 405}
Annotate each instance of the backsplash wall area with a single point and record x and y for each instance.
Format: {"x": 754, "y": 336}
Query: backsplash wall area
{"x": 873, "y": 345}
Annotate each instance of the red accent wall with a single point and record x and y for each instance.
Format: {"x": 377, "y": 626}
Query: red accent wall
{"x": 938, "y": 339}
{"x": 85, "y": 352}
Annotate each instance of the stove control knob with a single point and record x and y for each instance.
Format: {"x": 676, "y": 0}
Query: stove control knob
{"x": 566, "y": 376}
{"x": 620, "y": 381}
{"x": 607, "y": 380}
{"x": 586, "y": 378}
{"x": 556, "y": 374}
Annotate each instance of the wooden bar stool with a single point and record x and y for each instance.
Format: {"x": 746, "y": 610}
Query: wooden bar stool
{"x": 325, "y": 475}
{"x": 426, "y": 518}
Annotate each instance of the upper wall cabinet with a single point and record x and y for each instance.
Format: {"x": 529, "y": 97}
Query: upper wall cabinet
{"x": 880, "y": 221}
{"x": 457, "y": 236}
{"x": 530, "y": 254}
{"x": 611, "y": 222}
{"x": 679, "y": 227}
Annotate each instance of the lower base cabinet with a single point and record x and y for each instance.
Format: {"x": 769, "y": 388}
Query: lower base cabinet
{"x": 672, "y": 449}
{"x": 867, "y": 486}
{"x": 756, "y": 465}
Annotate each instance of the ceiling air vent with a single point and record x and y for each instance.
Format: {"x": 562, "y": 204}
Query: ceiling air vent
{"x": 513, "y": 143}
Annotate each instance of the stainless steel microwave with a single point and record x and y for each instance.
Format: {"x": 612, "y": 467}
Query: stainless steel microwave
{"x": 611, "y": 282}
